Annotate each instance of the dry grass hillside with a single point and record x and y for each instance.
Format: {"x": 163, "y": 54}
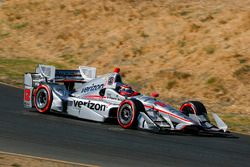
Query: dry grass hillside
{"x": 182, "y": 49}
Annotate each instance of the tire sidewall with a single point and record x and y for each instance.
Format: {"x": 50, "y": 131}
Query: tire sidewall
{"x": 197, "y": 107}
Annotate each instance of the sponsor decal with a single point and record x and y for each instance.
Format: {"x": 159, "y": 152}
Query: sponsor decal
{"x": 27, "y": 94}
{"x": 111, "y": 80}
{"x": 109, "y": 96}
{"x": 92, "y": 88}
{"x": 90, "y": 105}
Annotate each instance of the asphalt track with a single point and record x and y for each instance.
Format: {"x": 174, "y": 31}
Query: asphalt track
{"x": 64, "y": 138}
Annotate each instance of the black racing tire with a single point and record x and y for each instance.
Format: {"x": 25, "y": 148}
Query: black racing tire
{"x": 43, "y": 98}
{"x": 193, "y": 107}
{"x": 127, "y": 113}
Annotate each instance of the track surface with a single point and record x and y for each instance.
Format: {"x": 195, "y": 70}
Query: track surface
{"x": 53, "y": 136}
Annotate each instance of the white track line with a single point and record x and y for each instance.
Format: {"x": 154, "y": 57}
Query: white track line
{"x": 2, "y": 83}
{"x": 48, "y": 159}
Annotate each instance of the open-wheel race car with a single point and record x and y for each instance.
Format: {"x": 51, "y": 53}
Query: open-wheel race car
{"x": 82, "y": 94}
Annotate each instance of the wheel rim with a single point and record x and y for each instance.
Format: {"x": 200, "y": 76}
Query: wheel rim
{"x": 126, "y": 114}
{"x": 42, "y": 98}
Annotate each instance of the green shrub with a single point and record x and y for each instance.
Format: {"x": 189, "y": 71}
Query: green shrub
{"x": 20, "y": 25}
{"x": 210, "y": 49}
{"x": 171, "y": 84}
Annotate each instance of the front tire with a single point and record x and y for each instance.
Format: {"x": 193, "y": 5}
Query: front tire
{"x": 43, "y": 98}
{"x": 193, "y": 107}
{"x": 127, "y": 114}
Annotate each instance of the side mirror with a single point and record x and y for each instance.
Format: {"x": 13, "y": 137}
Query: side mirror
{"x": 102, "y": 92}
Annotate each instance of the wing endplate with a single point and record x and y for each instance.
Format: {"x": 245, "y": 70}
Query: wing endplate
{"x": 220, "y": 124}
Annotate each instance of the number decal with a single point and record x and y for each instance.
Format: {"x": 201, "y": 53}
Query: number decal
{"x": 27, "y": 94}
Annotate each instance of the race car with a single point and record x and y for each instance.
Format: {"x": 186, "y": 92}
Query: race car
{"x": 82, "y": 94}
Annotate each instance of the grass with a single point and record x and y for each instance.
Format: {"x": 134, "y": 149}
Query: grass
{"x": 222, "y": 21}
{"x": 237, "y": 55}
{"x": 172, "y": 74}
{"x": 20, "y": 25}
{"x": 195, "y": 28}
{"x": 170, "y": 84}
{"x": 16, "y": 165}
{"x": 137, "y": 51}
{"x": 243, "y": 74}
{"x": 241, "y": 71}
{"x": 184, "y": 13}
{"x": 181, "y": 75}
{"x": 144, "y": 35}
{"x": 71, "y": 59}
{"x": 12, "y": 70}
{"x": 210, "y": 49}
{"x": 77, "y": 12}
{"x": 207, "y": 18}
{"x": 211, "y": 80}
{"x": 4, "y": 34}
{"x": 237, "y": 122}
{"x": 181, "y": 43}
{"x": 242, "y": 61}
{"x": 220, "y": 88}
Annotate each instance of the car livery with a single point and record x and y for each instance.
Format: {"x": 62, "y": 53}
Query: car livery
{"x": 82, "y": 94}
{"x": 89, "y": 104}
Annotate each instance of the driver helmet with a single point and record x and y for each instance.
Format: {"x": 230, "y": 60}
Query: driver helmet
{"x": 126, "y": 90}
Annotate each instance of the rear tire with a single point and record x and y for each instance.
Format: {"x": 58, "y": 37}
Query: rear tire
{"x": 128, "y": 112}
{"x": 43, "y": 98}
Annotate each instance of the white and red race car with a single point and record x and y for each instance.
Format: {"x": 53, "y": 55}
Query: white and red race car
{"x": 81, "y": 94}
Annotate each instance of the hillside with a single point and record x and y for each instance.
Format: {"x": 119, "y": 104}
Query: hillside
{"x": 183, "y": 50}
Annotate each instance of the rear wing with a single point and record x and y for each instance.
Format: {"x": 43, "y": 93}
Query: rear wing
{"x": 45, "y": 73}
{"x": 49, "y": 74}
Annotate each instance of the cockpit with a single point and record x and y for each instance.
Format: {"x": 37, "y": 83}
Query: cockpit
{"x": 126, "y": 90}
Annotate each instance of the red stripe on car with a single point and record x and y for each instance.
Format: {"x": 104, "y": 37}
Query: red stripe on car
{"x": 171, "y": 114}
